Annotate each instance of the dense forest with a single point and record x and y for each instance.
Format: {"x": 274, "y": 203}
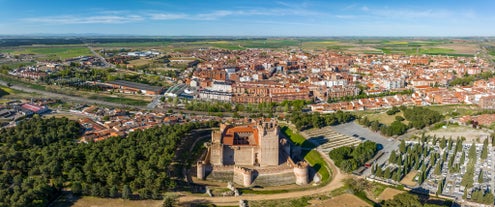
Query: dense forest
{"x": 349, "y": 158}
{"x": 315, "y": 120}
{"x": 40, "y": 157}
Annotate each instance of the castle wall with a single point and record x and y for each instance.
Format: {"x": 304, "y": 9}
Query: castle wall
{"x": 228, "y": 155}
{"x": 244, "y": 155}
{"x": 275, "y": 179}
{"x": 224, "y": 176}
{"x": 216, "y": 156}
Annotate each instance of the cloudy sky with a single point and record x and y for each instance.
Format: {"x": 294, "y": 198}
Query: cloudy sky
{"x": 249, "y": 17}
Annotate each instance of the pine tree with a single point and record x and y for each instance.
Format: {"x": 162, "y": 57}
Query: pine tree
{"x": 126, "y": 192}
{"x": 484, "y": 151}
{"x": 463, "y": 158}
{"x": 438, "y": 169}
{"x": 402, "y": 146}
{"x": 480, "y": 176}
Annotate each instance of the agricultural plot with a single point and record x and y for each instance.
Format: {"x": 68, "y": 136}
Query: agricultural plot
{"x": 55, "y": 52}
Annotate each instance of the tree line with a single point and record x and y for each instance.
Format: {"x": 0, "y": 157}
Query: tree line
{"x": 304, "y": 121}
{"x": 41, "y": 157}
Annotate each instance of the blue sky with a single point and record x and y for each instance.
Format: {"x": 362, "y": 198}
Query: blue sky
{"x": 250, "y": 17}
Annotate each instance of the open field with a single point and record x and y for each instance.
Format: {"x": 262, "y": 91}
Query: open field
{"x": 285, "y": 202}
{"x": 344, "y": 200}
{"x": 55, "y": 52}
{"x": 409, "y": 179}
{"x": 140, "y": 62}
{"x": 389, "y": 193}
{"x": 87, "y": 201}
{"x": 464, "y": 47}
{"x": 456, "y": 110}
{"x": 385, "y": 118}
{"x": 455, "y": 131}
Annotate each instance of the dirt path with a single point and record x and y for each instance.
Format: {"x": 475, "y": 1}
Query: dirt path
{"x": 337, "y": 178}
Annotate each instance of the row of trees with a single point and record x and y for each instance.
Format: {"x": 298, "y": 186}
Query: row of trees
{"x": 41, "y": 157}
{"x": 272, "y": 107}
{"x": 315, "y": 120}
{"x": 362, "y": 95}
{"x": 349, "y": 158}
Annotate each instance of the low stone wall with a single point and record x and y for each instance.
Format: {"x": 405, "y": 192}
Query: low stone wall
{"x": 275, "y": 179}
{"x": 224, "y": 176}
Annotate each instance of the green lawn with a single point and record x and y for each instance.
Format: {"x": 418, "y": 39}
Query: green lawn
{"x": 297, "y": 138}
{"x": 317, "y": 162}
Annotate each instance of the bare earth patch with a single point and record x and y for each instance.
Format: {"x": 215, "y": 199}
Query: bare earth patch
{"x": 108, "y": 202}
{"x": 409, "y": 179}
{"x": 460, "y": 131}
{"x": 465, "y": 48}
{"x": 389, "y": 193}
{"x": 344, "y": 200}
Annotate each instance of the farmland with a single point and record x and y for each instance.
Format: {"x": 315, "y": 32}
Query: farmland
{"x": 54, "y": 52}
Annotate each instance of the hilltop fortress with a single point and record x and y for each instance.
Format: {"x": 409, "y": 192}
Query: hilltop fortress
{"x": 252, "y": 154}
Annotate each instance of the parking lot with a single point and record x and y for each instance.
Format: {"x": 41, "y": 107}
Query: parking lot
{"x": 353, "y": 129}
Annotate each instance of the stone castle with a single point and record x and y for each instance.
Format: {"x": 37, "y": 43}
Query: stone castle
{"x": 251, "y": 153}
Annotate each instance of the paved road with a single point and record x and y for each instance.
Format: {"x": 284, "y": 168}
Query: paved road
{"x": 388, "y": 144}
{"x": 107, "y": 64}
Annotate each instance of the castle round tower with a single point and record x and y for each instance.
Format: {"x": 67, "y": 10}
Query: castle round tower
{"x": 301, "y": 172}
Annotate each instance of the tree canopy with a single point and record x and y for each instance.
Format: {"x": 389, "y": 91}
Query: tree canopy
{"x": 41, "y": 156}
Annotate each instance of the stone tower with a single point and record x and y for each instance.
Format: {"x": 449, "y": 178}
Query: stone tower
{"x": 269, "y": 143}
{"x": 243, "y": 176}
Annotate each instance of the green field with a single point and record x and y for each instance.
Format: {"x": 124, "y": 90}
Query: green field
{"x": 55, "y": 52}
{"x": 133, "y": 44}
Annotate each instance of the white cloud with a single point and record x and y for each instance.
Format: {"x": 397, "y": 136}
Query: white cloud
{"x": 167, "y": 16}
{"x": 100, "y": 19}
